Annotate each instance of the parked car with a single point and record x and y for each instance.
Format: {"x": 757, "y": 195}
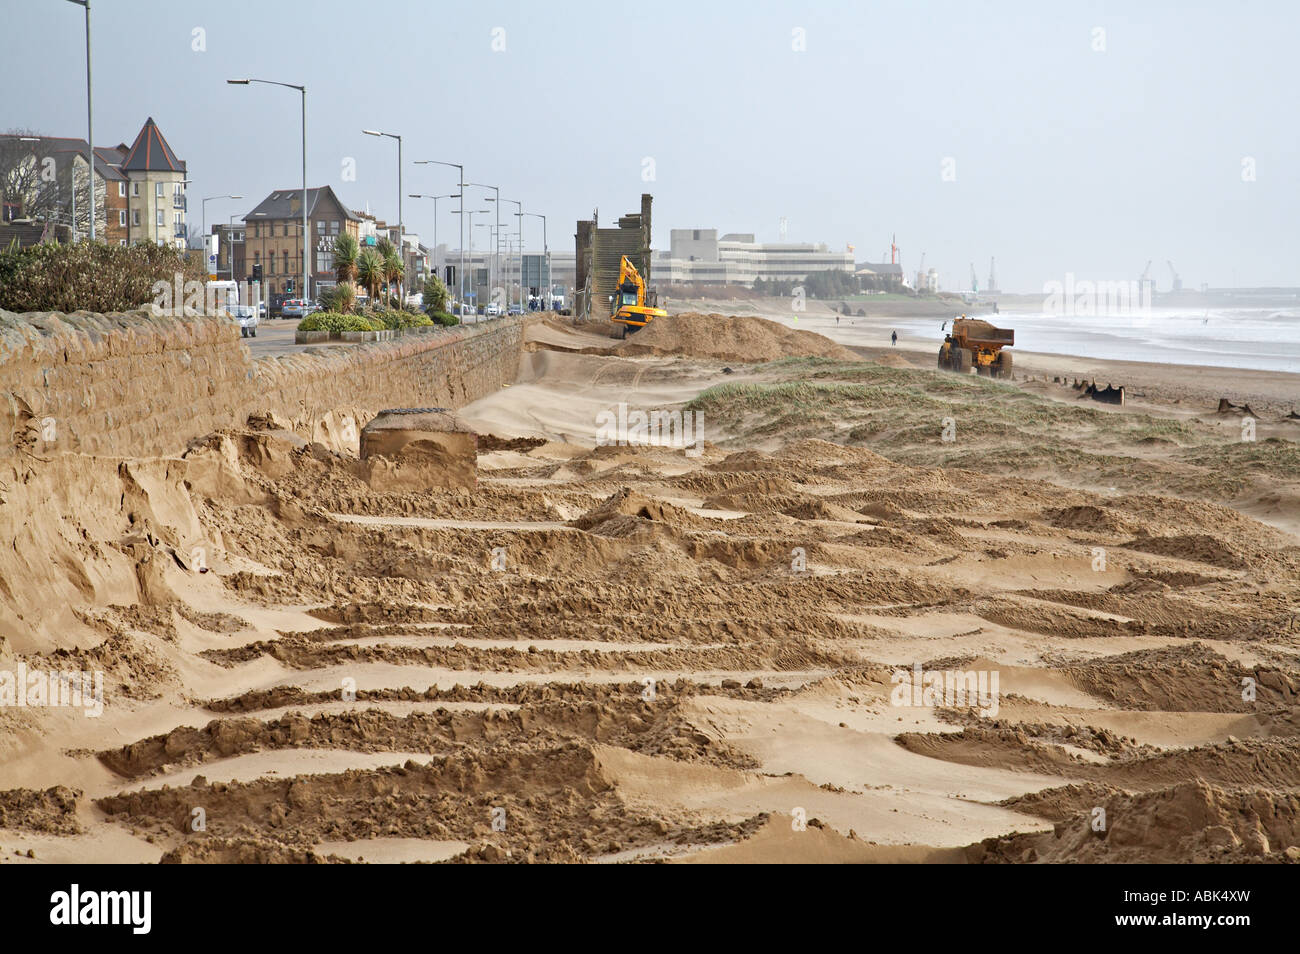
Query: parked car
{"x": 515, "y": 310}
{"x": 261, "y": 310}
{"x": 294, "y": 308}
{"x": 247, "y": 317}
{"x": 493, "y": 310}
{"x": 277, "y": 304}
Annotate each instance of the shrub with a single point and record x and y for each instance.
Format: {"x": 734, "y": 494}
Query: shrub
{"x": 90, "y": 275}
{"x": 336, "y": 323}
{"x": 444, "y": 319}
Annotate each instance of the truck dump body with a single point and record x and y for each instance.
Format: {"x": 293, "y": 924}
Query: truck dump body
{"x": 975, "y": 331}
{"x": 976, "y": 344}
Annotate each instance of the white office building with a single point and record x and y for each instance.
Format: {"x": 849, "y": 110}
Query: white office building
{"x": 698, "y": 256}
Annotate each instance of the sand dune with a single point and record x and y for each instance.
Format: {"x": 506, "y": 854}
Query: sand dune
{"x": 687, "y": 657}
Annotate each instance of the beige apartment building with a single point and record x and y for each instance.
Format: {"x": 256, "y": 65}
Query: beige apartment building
{"x": 156, "y": 200}
{"x": 272, "y": 239}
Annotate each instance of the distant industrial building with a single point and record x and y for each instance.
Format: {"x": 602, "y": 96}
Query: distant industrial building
{"x": 884, "y": 276}
{"x": 699, "y": 256}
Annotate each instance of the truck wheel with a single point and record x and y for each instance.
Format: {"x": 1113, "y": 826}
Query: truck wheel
{"x": 622, "y": 331}
{"x": 253, "y": 332}
{"x": 944, "y": 357}
{"x": 963, "y": 359}
{"x": 243, "y": 332}
{"x": 1004, "y": 365}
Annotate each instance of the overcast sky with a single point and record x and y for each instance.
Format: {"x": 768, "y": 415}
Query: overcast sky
{"x": 1072, "y": 150}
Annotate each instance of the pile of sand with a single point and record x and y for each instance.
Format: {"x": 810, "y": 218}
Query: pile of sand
{"x": 1192, "y": 822}
{"x": 739, "y": 338}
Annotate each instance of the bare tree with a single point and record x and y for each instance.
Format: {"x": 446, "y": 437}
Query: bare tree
{"x": 49, "y": 184}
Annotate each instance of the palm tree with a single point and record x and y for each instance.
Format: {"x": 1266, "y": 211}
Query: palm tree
{"x": 384, "y": 248}
{"x": 370, "y": 272}
{"x": 393, "y": 272}
{"x": 345, "y": 258}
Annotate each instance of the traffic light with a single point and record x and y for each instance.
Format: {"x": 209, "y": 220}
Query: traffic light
{"x": 257, "y": 272}
{"x": 288, "y": 286}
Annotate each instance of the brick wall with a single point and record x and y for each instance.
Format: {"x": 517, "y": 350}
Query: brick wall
{"x": 135, "y": 385}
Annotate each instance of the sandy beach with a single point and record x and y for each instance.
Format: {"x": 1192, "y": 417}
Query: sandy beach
{"x": 615, "y": 651}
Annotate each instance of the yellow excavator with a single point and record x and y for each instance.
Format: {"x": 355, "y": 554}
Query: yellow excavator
{"x": 630, "y": 310}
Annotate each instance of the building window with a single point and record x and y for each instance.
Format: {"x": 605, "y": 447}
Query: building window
{"x": 334, "y": 228}
{"x": 159, "y": 217}
{"x": 121, "y": 190}
{"x": 121, "y": 217}
{"x": 270, "y": 264}
{"x": 135, "y": 188}
{"x": 122, "y": 242}
{"x": 158, "y": 190}
{"x": 286, "y": 261}
{"x": 135, "y": 217}
{"x": 324, "y": 261}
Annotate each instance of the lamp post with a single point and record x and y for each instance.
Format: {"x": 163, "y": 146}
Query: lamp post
{"x": 518, "y": 215}
{"x": 400, "y": 228}
{"x": 471, "y": 214}
{"x": 496, "y": 258}
{"x": 90, "y": 124}
{"x": 306, "y": 288}
{"x": 203, "y": 203}
{"x": 435, "y": 198}
{"x": 462, "y": 184}
{"x": 491, "y": 239}
{"x": 545, "y": 258}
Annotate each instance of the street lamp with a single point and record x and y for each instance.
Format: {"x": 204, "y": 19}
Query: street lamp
{"x": 546, "y": 258}
{"x": 496, "y": 256}
{"x": 462, "y": 184}
{"x": 435, "y": 198}
{"x": 306, "y": 290}
{"x": 518, "y": 215}
{"x": 471, "y": 213}
{"x": 203, "y": 203}
{"x": 90, "y": 124}
{"x": 374, "y": 132}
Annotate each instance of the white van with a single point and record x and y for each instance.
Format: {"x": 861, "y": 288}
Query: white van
{"x": 220, "y": 296}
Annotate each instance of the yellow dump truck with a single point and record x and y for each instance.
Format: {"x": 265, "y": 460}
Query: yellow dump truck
{"x": 977, "y": 344}
{"x": 630, "y": 310}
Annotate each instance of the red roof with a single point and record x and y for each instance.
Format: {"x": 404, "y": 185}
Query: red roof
{"x": 150, "y": 152}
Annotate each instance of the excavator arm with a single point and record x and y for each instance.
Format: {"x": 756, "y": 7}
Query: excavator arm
{"x": 627, "y": 273}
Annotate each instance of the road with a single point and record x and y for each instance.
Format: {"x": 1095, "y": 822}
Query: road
{"x": 275, "y": 337}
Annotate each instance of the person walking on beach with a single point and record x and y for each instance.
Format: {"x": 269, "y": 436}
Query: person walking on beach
{"x": 893, "y": 339}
